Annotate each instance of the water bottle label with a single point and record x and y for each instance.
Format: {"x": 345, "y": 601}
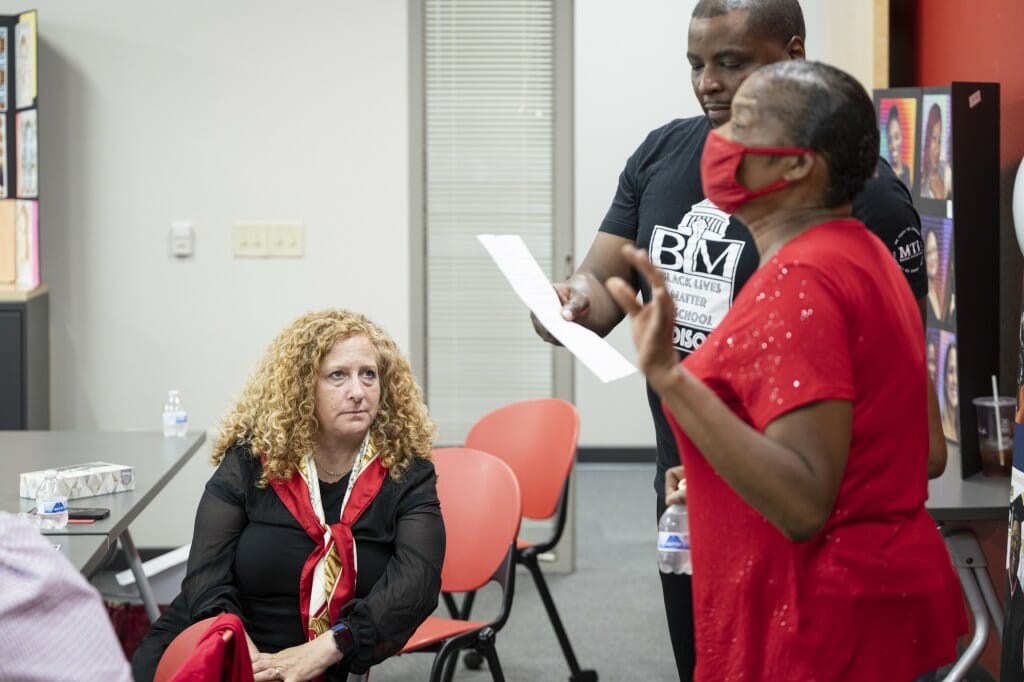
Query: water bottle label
{"x": 175, "y": 418}
{"x": 673, "y": 542}
{"x": 53, "y": 507}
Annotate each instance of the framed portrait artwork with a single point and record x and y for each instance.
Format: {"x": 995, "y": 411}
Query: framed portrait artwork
{"x": 4, "y": 71}
{"x": 937, "y": 234}
{"x": 25, "y": 62}
{"x": 8, "y": 250}
{"x": 27, "y": 143}
{"x": 897, "y": 133}
{"x": 936, "y": 144}
{"x": 26, "y": 244}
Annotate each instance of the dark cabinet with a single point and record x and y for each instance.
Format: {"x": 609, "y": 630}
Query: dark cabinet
{"x": 24, "y": 360}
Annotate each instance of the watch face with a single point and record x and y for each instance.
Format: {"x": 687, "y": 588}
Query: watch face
{"x": 343, "y": 638}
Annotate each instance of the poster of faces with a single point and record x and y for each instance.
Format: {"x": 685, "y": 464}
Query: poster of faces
{"x": 26, "y": 244}
{"x": 936, "y": 145}
{"x": 19, "y": 153}
{"x": 3, "y": 68}
{"x": 8, "y": 272}
{"x": 938, "y": 263}
{"x": 915, "y": 137}
{"x": 897, "y": 127}
{"x": 27, "y": 154}
{"x": 4, "y": 174}
{"x": 940, "y": 337}
{"x": 948, "y": 386}
{"x": 25, "y": 62}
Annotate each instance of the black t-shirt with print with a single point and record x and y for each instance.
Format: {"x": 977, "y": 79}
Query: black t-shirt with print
{"x": 706, "y": 255}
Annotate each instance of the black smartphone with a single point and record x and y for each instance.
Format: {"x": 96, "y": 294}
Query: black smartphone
{"x": 87, "y": 513}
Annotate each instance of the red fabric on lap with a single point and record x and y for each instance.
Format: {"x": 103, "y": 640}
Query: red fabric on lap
{"x": 215, "y": 658}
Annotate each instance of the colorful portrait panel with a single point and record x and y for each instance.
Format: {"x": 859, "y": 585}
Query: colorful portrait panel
{"x": 25, "y": 60}
{"x": 948, "y": 386}
{"x": 4, "y": 173}
{"x": 936, "y": 145}
{"x": 931, "y": 354}
{"x": 26, "y": 244}
{"x": 8, "y": 250}
{"x": 3, "y": 68}
{"x": 938, "y": 259}
{"x": 27, "y": 147}
{"x": 897, "y": 127}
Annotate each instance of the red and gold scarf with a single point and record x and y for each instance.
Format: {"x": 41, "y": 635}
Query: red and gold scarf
{"x": 328, "y": 579}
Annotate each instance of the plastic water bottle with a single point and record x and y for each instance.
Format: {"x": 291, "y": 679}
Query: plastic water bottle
{"x": 175, "y": 416}
{"x": 674, "y": 541}
{"x": 51, "y": 503}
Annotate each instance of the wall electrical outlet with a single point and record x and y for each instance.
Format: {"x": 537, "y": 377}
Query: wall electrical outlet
{"x": 264, "y": 239}
{"x": 286, "y": 240}
{"x": 249, "y": 240}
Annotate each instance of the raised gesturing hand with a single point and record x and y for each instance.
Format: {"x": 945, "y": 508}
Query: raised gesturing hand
{"x": 652, "y": 323}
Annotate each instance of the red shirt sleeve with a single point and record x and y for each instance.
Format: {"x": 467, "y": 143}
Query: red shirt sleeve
{"x": 794, "y": 338}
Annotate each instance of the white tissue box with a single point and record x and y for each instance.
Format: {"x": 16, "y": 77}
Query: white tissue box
{"x": 83, "y": 480}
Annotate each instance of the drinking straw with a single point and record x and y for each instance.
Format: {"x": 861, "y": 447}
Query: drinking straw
{"x": 999, "y": 422}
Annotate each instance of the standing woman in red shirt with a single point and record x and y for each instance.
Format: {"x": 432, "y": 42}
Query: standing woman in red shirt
{"x": 801, "y": 421}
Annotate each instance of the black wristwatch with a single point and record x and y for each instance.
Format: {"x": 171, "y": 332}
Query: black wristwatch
{"x": 343, "y": 638}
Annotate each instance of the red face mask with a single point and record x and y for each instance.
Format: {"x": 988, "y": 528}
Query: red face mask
{"x": 720, "y": 164}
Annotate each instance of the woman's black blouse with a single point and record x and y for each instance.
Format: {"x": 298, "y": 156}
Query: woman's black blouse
{"x": 248, "y": 552}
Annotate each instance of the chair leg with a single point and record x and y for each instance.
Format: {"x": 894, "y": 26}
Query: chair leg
{"x": 491, "y": 654}
{"x": 449, "y": 601}
{"x": 473, "y": 659}
{"x": 449, "y": 667}
{"x": 467, "y": 605}
{"x": 440, "y": 666}
{"x": 577, "y": 675}
{"x": 454, "y": 610}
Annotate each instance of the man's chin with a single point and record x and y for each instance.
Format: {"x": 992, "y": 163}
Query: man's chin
{"x": 717, "y": 117}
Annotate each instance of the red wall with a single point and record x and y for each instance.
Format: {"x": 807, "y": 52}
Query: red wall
{"x": 983, "y": 40}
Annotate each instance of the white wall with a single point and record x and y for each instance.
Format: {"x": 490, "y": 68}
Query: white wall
{"x": 211, "y": 112}
{"x": 631, "y": 77}
{"x": 842, "y": 34}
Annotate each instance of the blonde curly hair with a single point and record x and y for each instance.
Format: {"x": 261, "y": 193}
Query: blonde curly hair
{"x": 275, "y": 415}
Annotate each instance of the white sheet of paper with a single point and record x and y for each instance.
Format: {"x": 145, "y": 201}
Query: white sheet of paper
{"x": 531, "y": 284}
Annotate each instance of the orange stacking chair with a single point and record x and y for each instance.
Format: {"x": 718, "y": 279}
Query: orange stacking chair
{"x": 537, "y": 438}
{"x": 482, "y": 508}
{"x": 193, "y": 655}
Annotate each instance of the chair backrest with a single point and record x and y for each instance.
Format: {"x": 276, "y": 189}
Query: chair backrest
{"x": 537, "y": 438}
{"x": 481, "y": 506}
{"x": 182, "y": 647}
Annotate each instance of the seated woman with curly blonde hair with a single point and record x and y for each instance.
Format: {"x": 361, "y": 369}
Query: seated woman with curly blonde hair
{"x": 324, "y": 458}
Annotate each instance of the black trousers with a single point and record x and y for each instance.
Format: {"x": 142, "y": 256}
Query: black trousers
{"x": 677, "y": 590}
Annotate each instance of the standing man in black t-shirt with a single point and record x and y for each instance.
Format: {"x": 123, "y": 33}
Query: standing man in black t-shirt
{"x": 705, "y": 254}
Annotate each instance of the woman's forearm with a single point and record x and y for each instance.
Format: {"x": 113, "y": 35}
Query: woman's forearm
{"x": 792, "y": 479}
